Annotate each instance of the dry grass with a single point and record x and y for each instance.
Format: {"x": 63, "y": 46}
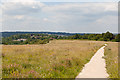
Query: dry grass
{"x": 111, "y": 56}
{"x": 58, "y": 59}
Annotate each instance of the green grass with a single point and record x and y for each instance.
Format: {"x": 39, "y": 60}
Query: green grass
{"x": 58, "y": 59}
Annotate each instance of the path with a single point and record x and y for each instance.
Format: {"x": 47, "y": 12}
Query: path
{"x": 96, "y": 67}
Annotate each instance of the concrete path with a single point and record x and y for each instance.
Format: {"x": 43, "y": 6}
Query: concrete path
{"x": 96, "y": 67}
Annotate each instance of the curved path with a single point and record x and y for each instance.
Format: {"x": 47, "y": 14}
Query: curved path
{"x": 96, "y": 67}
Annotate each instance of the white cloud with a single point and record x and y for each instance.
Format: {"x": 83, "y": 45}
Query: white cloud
{"x": 18, "y": 8}
{"x": 45, "y": 19}
{"x": 19, "y": 17}
{"x": 83, "y": 7}
{"x": 72, "y": 17}
{"x": 110, "y": 20}
{"x": 63, "y": 0}
{"x": 18, "y": 0}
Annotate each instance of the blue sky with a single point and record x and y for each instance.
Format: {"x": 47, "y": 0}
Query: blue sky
{"x": 91, "y": 16}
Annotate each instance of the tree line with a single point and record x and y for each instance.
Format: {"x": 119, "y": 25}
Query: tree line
{"x": 45, "y": 38}
{"x": 98, "y": 37}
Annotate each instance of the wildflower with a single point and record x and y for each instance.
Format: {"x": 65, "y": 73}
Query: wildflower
{"x": 11, "y": 65}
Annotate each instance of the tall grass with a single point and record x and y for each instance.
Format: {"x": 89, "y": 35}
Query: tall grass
{"x": 111, "y": 56}
{"x": 58, "y": 59}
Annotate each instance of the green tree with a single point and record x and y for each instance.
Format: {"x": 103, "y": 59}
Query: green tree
{"x": 107, "y": 36}
{"x": 117, "y": 38}
{"x": 76, "y": 36}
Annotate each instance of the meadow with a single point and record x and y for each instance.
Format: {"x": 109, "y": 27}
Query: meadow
{"x": 111, "y": 56}
{"x": 57, "y": 59}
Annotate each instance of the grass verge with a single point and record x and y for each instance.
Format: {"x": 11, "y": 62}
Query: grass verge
{"x": 111, "y": 56}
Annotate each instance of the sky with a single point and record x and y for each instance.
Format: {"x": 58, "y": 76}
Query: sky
{"x": 60, "y": 16}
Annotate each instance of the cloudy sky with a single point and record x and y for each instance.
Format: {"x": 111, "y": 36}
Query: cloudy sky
{"x": 32, "y": 15}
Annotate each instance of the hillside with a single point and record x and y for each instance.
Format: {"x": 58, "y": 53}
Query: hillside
{"x": 8, "y": 34}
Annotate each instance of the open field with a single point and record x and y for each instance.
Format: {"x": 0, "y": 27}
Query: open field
{"x": 111, "y": 56}
{"x": 58, "y": 59}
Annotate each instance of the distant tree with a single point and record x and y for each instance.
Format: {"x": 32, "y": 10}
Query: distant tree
{"x": 98, "y": 36}
{"x": 26, "y": 42}
{"x": 76, "y": 36}
{"x": 85, "y": 36}
{"x": 117, "y": 38}
{"x": 107, "y": 36}
{"x": 101, "y": 39}
{"x": 91, "y": 36}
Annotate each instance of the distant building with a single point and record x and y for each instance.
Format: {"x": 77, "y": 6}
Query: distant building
{"x": 20, "y": 40}
{"x": 52, "y": 38}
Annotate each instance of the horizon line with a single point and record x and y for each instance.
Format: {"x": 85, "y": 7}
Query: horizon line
{"x": 60, "y": 31}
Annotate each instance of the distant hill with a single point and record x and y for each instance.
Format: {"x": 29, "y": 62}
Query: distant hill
{"x": 7, "y": 34}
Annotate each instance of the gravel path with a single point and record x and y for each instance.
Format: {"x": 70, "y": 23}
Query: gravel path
{"x": 96, "y": 67}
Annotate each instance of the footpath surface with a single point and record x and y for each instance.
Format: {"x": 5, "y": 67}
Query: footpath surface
{"x": 96, "y": 67}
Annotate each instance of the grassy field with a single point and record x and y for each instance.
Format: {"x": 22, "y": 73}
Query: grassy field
{"x": 58, "y": 59}
{"x": 111, "y": 56}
